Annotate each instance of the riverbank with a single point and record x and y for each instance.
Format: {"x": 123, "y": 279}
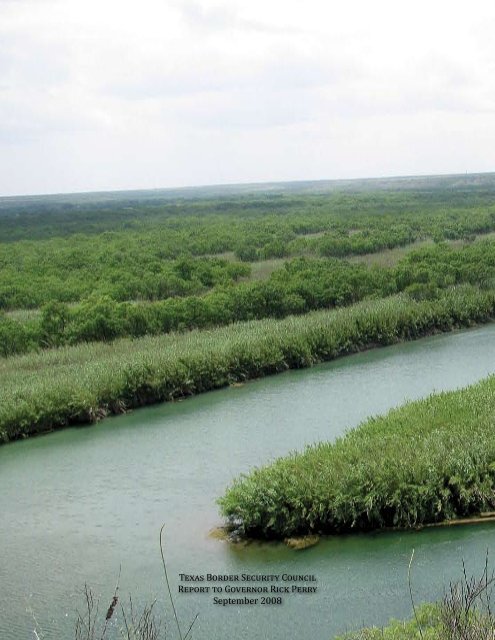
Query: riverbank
{"x": 84, "y": 383}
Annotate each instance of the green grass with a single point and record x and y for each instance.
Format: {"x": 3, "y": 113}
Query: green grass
{"x": 390, "y": 257}
{"x": 430, "y": 627}
{"x": 80, "y": 384}
{"x": 24, "y": 315}
{"x": 263, "y": 269}
{"x": 428, "y": 461}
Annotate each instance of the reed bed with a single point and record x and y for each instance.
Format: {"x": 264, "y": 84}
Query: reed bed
{"x": 83, "y": 383}
{"x": 428, "y": 461}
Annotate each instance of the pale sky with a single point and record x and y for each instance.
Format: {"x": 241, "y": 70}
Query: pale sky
{"x": 117, "y": 94}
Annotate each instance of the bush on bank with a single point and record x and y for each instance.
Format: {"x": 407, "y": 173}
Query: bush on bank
{"x": 82, "y": 383}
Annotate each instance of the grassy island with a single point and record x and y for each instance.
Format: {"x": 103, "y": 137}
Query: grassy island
{"x": 428, "y": 461}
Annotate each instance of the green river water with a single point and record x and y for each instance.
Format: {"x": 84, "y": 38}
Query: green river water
{"x": 78, "y": 504}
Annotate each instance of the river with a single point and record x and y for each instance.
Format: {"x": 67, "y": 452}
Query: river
{"x": 78, "y": 504}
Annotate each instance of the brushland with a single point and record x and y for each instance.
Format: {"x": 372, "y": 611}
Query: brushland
{"x": 301, "y": 285}
{"x": 429, "y": 461}
{"x": 83, "y": 383}
{"x": 97, "y": 267}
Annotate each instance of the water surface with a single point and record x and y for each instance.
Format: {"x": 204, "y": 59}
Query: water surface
{"x": 77, "y": 504}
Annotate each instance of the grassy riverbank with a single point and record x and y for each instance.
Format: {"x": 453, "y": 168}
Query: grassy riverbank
{"x": 81, "y": 384}
{"x": 428, "y": 461}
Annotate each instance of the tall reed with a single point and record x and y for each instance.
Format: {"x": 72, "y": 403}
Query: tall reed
{"x": 83, "y": 383}
{"x": 429, "y": 461}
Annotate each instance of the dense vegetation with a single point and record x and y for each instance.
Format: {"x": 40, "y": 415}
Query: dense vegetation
{"x": 83, "y": 383}
{"x": 66, "y": 273}
{"x": 143, "y": 250}
{"x": 102, "y": 267}
{"x": 155, "y": 261}
{"x": 38, "y": 217}
{"x": 301, "y": 285}
{"x": 428, "y": 461}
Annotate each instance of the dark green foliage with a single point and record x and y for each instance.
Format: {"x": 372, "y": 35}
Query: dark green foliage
{"x": 120, "y": 267}
{"x": 38, "y": 217}
{"x": 375, "y": 237}
{"x": 66, "y": 249}
{"x": 53, "y": 322}
{"x": 96, "y": 319}
{"x": 301, "y": 285}
{"x": 15, "y": 337}
{"x": 443, "y": 265}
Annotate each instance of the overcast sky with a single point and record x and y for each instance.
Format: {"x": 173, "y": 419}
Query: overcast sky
{"x": 116, "y": 94}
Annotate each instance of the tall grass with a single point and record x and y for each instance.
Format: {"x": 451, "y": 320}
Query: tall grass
{"x": 428, "y": 461}
{"x": 83, "y": 383}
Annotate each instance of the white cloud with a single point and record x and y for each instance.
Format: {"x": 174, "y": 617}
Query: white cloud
{"x": 121, "y": 94}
